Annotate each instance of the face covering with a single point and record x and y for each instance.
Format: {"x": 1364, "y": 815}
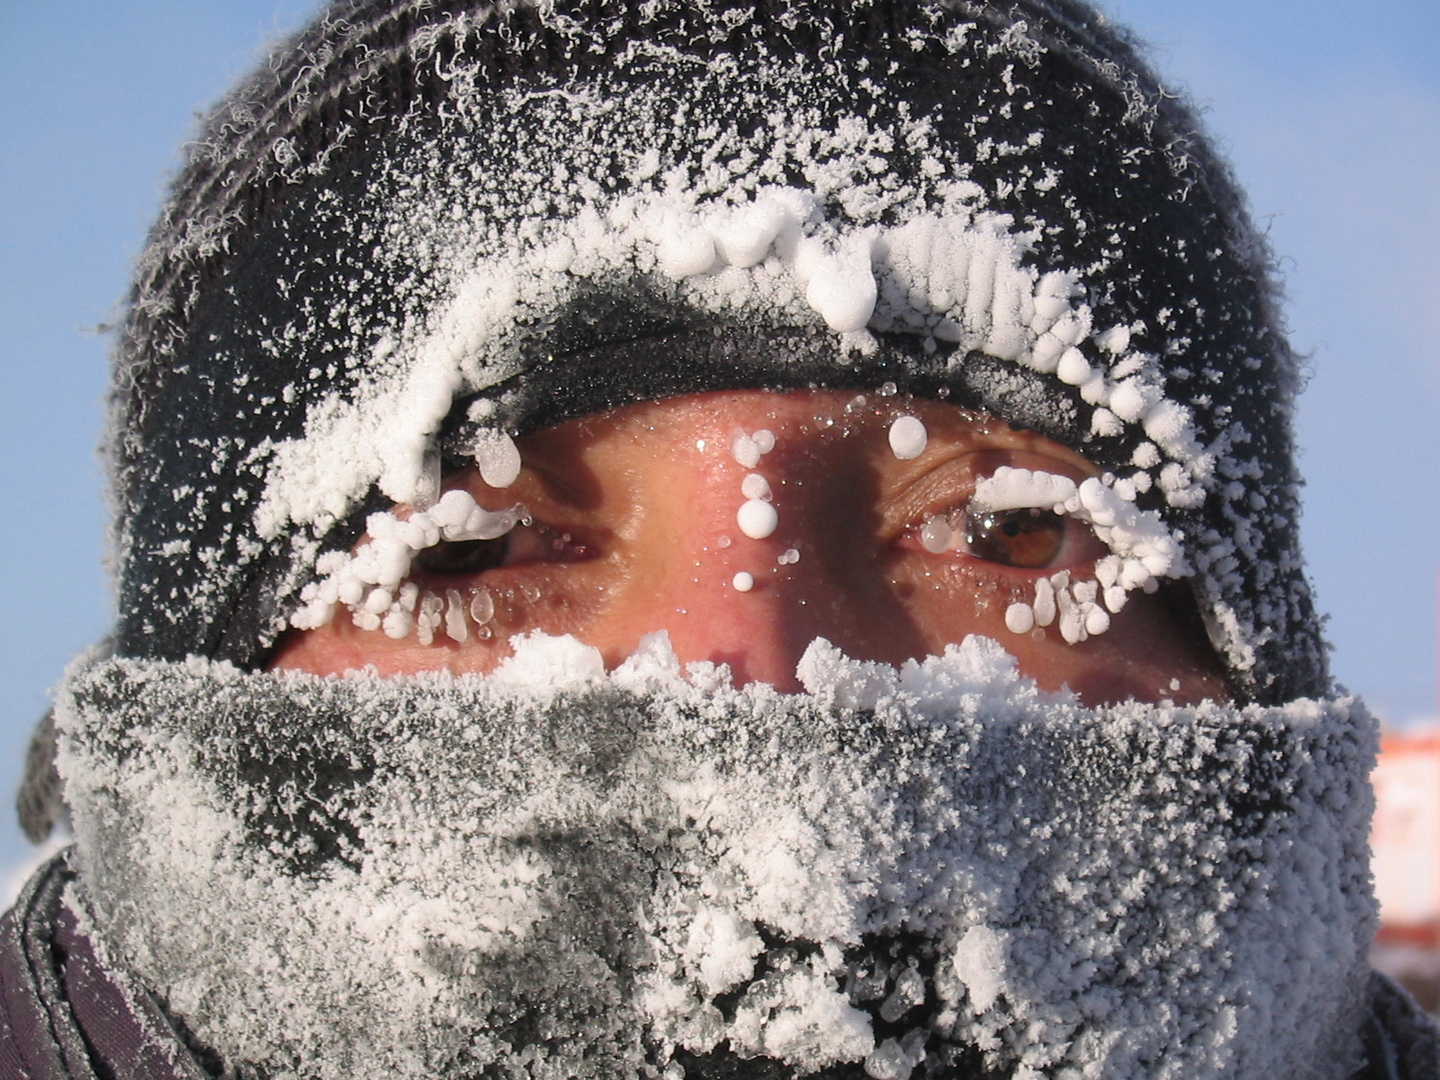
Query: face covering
{"x": 555, "y": 871}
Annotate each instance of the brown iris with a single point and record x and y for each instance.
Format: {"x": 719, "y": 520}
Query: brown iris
{"x": 1029, "y": 538}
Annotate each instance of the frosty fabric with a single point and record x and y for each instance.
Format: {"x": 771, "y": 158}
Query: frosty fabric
{"x": 551, "y": 871}
{"x": 416, "y": 205}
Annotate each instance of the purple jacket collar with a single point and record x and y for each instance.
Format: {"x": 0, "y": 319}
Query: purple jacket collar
{"x": 64, "y": 1013}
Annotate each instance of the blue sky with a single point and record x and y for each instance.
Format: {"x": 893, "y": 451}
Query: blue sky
{"x": 1329, "y": 112}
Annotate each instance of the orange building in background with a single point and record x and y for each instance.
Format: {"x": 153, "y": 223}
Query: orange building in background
{"x": 1406, "y": 844}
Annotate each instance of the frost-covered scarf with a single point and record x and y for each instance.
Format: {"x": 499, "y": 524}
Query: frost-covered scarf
{"x": 555, "y": 872}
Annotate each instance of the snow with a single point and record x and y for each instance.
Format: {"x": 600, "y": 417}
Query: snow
{"x": 378, "y": 875}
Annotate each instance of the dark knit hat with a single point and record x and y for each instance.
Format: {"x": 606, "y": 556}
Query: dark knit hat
{"x": 423, "y": 219}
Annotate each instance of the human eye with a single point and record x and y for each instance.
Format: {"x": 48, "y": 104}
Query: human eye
{"x": 1073, "y": 548}
{"x": 1038, "y": 534}
{"x": 437, "y": 570}
{"x": 527, "y": 542}
{"x": 1029, "y": 538}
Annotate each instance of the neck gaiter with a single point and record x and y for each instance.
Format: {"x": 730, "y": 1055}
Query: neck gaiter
{"x": 554, "y": 871}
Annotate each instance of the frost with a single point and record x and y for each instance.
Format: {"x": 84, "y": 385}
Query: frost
{"x": 547, "y": 665}
{"x": 960, "y": 277}
{"x": 372, "y": 875}
{"x": 979, "y": 964}
{"x": 368, "y": 581}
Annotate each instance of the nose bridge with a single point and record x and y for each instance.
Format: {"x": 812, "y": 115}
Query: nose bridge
{"x": 754, "y": 572}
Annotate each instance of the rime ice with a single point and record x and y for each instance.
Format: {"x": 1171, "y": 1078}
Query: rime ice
{"x": 944, "y": 848}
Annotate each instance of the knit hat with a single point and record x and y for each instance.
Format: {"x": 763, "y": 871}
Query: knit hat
{"x": 424, "y": 228}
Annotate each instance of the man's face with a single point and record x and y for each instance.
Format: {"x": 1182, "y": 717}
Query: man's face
{"x": 654, "y": 517}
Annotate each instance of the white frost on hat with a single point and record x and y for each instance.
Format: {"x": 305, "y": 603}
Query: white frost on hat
{"x": 959, "y": 276}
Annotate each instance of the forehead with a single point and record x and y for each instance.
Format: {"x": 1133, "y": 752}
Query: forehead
{"x": 726, "y": 420}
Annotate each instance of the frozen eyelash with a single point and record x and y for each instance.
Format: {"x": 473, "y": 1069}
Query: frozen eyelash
{"x": 368, "y": 580}
{"x": 1143, "y": 549}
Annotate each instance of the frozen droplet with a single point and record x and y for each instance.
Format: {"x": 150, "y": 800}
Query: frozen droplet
{"x": 790, "y": 557}
{"x": 757, "y": 519}
{"x": 456, "y": 625}
{"x": 755, "y": 486}
{"x": 908, "y": 437}
{"x": 844, "y": 293}
{"x": 497, "y": 456}
{"x": 427, "y": 484}
{"x": 743, "y": 236}
{"x": 1019, "y": 618}
{"x": 764, "y": 440}
{"x": 1097, "y": 621}
{"x": 1072, "y": 625}
{"x": 723, "y": 541}
{"x": 452, "y": 511}
{"x": 936, "y": 535}
{"x": 684, "y": 253}
{"x": 1115, "y": 340}
{"x": 397, "y": 623}
{"x": 482, "y": 606}
{"x": 1044, "y": 605}
{"x": 745, "y": 451}
{"x": 742, "y": 582}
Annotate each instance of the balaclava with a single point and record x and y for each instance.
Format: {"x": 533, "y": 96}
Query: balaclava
{"x": 425, "y": 228}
